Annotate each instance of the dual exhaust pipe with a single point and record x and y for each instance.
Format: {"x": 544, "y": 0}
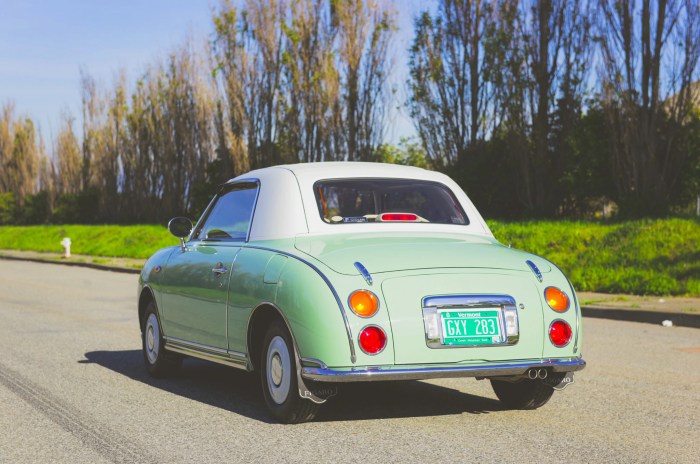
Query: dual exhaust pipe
{"x": 535, "y": 373}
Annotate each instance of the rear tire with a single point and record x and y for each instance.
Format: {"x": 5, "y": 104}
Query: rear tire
{"x": 522, "y": 394}
{"x": 278, "y": 376}
{"x": 159, "y": 362}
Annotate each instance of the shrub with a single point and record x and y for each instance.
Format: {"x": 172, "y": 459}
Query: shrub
{"x": 7, "y": 208}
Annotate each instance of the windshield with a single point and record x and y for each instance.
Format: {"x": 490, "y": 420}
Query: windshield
{"x": 342, "y": 201}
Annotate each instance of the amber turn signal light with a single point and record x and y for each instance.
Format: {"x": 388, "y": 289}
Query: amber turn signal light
{"x": 363, "y": 303}
{"x": 556, "y": 299}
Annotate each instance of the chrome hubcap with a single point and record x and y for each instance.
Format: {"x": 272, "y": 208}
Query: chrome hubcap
{"x": 149, "y": 339}
{"x": 152, "y": 338}
{"x": 279, "y": 370}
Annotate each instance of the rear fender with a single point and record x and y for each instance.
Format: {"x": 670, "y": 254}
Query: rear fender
{"x": 260, "y": 319}
{"x": 312, "y": 311}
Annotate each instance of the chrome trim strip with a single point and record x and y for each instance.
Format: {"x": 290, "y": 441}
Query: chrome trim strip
{"x": 241, "y": 180}
{"x": 196, "y": 230}
{"x": 577, "y": 312}
{"x": 353, "y": 356}
{"x": 255, "y": 206}
{"x": 206, "y": 357}
{"x": 204, "y": 214}
{"x": 435, "y": 371}
{"x": 364, "y": 272}
{"x": 196, "y": 346}
{"x": 208, "y": 353}
{"x": 468, "y": 300}
{"x": 314, "y": 361}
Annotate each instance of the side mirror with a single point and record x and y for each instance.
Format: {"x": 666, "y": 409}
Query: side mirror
{"x": 181, "y": 228}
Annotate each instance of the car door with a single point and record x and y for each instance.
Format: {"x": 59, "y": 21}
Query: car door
{"x": 197, "y": 278}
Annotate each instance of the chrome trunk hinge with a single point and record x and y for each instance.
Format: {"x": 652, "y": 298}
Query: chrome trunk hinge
{"x": 365, "y": 273}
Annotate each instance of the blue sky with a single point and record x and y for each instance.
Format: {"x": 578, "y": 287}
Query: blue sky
{"x": 44, "y": 44}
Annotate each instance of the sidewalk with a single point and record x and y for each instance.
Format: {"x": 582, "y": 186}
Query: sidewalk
{"x": 671, "y": 304}
{"x": 128, "y": 265}
{"x": 681, "y": 311}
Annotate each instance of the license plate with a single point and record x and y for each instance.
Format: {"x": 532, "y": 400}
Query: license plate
{"x": 472, "y": 327}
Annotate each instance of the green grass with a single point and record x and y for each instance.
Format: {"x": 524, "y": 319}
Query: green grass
{"x": 648, "y": 257}
{"x": 112, "y": 241}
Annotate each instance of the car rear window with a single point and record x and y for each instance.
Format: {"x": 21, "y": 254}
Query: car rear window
{"x": 343, "y": 201}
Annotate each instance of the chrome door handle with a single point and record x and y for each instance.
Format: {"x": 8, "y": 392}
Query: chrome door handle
{"x": 219, "y": 269}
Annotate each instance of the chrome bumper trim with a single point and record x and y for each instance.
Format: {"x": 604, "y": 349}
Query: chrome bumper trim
{"x": 208, "y": 353}
{"x": 436, "y": 371}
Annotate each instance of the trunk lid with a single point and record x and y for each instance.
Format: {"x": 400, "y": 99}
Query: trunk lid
{"x": 387, "y": 252}
{"x": 405, "y": 298}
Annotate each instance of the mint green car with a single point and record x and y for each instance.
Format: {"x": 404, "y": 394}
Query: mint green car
{"x": 316, "y": 274}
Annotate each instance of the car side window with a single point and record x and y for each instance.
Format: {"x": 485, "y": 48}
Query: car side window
{"x": 230, "y": 216}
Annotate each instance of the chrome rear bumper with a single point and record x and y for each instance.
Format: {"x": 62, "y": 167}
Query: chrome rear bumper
{"x": 436, "y": 371}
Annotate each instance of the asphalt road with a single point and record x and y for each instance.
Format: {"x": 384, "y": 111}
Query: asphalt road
{"x": 73, "y": 389}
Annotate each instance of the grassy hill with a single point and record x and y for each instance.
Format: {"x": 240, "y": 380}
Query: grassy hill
{"x": 118, "y": 241}
{"x": 655, "y": 257}
{"x": 647, "y": 257}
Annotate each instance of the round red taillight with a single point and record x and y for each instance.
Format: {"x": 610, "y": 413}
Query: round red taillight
{"x": 560, "y": 333}
{"x": 372, "y": 339}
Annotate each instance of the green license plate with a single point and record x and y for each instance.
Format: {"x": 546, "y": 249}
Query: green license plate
{"x": 471, "y": 327}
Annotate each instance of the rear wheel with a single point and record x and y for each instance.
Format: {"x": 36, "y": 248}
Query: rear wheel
{"x": 159, "y": 362}
{"x": 278, "y": 375}
{"x": 522, "y": 394}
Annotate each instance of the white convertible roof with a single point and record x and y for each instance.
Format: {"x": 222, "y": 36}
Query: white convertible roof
{"x": 354, "y": 169}
{"x": 286, "y": 205}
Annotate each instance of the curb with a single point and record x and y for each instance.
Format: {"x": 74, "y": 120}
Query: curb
{"x": 646, "y": 316}
{"x": 100, "y": 267}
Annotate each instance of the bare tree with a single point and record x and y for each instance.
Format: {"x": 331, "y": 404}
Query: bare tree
{"x": 449, "y": 86}
{"x": 248, "y": 52}
{"x": 648, "y": 109}
{"x": 311, "y": 83}
{"x": 93, "y": 115}
{"x": 233, "y": 67}
{"x": 19, "y": 155}
{"x": 69, "y": 159}
{"x": 183, "y": 121}
{"x": 365, "y": 30}
{"x": 541, "y": 65}
{"x": 6, "y": 145}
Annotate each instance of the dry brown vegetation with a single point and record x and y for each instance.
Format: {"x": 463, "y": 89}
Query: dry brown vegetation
{"x": 505, "y": 96}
